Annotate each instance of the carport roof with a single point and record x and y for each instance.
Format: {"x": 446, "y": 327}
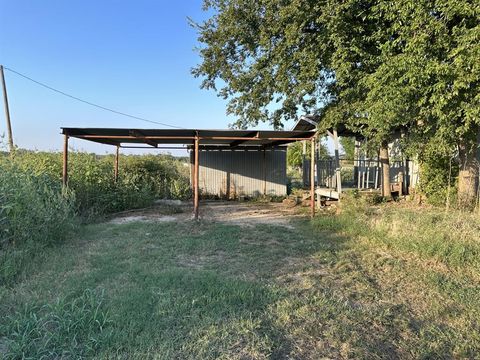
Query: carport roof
{"x": 125, "y": 137}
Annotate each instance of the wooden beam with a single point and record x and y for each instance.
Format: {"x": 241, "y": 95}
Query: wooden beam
{"x": 195, "y": 180}
{"x": 238, "y": 148}
{"x": 356, "y": 158}
{"x": 312, "y": 177}
{"x": 129, "y": 137}
{"x": 279, "y": 142}
{"x": 385, "y": 166}
{"x": 106, "y": 142}
{"x": 65, "y": 161}
{"x": 158, "y": 147}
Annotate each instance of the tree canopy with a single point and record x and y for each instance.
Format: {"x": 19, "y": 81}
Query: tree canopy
{"x": 379, "y": 67}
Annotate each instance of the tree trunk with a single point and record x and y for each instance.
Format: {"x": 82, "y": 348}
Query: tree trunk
{"x": 469, "y": 171}
{"x": 385, "y": 164}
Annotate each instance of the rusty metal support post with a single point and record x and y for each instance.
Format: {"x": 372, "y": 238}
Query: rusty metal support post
{"x": 264, "y": 173}
{"x": 195, "y": 180}
{"x": 117, "y": 154}
{"x": 312, "y": 177}
{"x": 65, "y": 161}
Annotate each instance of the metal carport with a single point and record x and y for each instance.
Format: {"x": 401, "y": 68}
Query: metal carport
{"x": 194, "y": 139}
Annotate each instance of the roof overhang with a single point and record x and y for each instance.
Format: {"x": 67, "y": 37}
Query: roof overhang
{"x": 306, "y": 123}
{"x": 310, "y": 123}
{"x": 152, "y": 138}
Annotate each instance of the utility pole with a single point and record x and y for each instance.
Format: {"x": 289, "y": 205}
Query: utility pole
{"x": 7, "y": 112}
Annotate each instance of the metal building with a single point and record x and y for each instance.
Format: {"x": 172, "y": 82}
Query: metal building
{"x": 232, "y": 174}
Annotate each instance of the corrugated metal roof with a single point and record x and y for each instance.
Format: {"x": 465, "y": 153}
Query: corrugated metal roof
{"x": 208, "y": 138}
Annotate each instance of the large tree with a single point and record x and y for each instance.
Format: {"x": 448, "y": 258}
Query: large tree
{"x": 429, "y": 77}
{"x": 380, "y": 67}
{"x": 275, "y": 59}
{"x": 267, "y": 57}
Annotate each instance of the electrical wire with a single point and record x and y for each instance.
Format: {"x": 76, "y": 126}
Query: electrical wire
{"x": 90, "y": 103}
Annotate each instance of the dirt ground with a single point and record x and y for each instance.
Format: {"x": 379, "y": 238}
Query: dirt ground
{"x": 238, "y": 213}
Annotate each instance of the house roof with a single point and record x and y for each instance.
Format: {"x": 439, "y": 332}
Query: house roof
{"x": 306, "y": 123}
{"x": 310, "y": 122}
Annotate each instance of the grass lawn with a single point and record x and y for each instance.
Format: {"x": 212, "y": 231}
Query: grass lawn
{"x": 338, "y": 287}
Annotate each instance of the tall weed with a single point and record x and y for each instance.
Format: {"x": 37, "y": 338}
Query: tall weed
{"x": 66, "y": 328}
{"x": 142, "y": 179}
{"x": 34, "y": 213}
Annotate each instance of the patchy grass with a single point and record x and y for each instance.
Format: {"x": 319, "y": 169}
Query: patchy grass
{"x": 356, "y": 285}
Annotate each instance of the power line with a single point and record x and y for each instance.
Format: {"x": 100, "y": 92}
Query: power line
{"x": 88, "y": 102}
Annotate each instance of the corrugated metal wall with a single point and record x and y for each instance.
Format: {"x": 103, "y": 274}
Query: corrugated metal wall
{"x": 233, "y": 173}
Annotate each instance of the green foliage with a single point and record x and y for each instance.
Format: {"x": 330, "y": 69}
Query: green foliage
{"x": 295, "y": 153}
{"x": 438, "y": 176}
{"x": 348, "y": 145}
{"x": 270, "y": 66}
{"x": 32, "y": 208}
{"x": 142, "y": 179}
{"x": 379, "y": 67}
{"x": 34, "y": 213}
{"x": 67, "y": 328}
{"x": 347, "y": 174}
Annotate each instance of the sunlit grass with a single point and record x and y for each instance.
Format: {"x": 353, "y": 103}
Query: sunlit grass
{"x": 347, "y": 286}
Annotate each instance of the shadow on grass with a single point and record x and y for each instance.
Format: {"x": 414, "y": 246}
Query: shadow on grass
{"x": 195, "y": 292}
{"x": 190, "y": 291}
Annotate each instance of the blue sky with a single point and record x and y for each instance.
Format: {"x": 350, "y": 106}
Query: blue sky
{"x": 132, "y": 56}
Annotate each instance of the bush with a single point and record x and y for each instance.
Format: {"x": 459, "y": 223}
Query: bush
{"x": 437, "y": 170}
{"x": 142, "y": 179}
{"x": 34, "y": 212}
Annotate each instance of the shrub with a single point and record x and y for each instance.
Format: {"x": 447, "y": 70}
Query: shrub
{"x": 438, "y": 168}
{"x": 34, "y": 212}
{"x": 142, "y": 179}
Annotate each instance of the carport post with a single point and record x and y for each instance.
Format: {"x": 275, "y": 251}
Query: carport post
{"x": 65, "y": 161}
{"x": 117, "y": 153}
{"x": 195, "y": 180}
{"x": 264, "y": 173}
{"x": 312, "y": 176}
